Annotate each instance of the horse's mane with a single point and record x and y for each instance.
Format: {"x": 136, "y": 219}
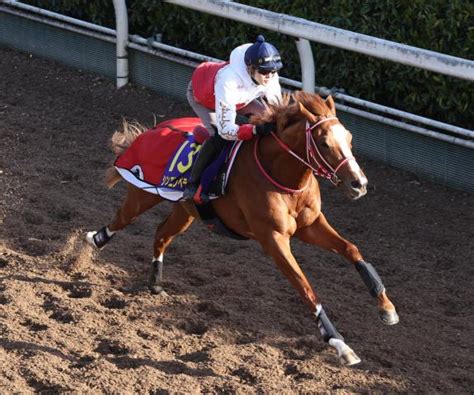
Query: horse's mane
{"x": 287, "y": 111}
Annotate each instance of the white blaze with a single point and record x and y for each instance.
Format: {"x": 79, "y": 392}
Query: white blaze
{"x": 339, "y": 132}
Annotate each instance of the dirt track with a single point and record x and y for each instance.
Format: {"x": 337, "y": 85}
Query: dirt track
{"x": 74, "y": 320}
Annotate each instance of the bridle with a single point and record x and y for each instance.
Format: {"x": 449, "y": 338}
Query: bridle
{"x": 320, "y": 167}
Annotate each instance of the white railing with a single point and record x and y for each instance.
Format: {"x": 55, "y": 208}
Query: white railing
{"x": 312, "y": 31}
{"x": 192, "y": 59}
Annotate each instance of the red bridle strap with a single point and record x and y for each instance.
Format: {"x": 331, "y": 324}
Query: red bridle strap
{"x": 323, "y": 169}
{"x": 267, "y": 176}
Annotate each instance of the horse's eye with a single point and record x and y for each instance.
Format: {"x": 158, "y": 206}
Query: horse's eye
{"x": 324, "y": 144}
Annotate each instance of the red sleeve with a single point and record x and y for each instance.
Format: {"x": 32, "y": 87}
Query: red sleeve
{"x": 245, "y": 132}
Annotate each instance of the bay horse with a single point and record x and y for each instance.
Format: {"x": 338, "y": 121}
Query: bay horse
{"x": 272, "y": 196}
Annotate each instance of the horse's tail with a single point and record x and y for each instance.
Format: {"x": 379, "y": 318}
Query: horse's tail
{"x": 123, "y": 138}
{"x": 111, "y": 177}
{"x": 120, "y": 141}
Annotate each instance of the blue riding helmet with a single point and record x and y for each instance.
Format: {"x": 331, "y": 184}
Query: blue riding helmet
{"x": 264, "y": 56}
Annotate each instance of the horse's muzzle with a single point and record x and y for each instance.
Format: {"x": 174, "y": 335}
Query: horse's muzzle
{"x": 355, "y": 189}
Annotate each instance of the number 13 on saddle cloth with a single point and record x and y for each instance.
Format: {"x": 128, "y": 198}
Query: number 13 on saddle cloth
{"x": 159, "y": 160}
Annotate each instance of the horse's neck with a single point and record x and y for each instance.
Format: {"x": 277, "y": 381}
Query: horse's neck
{"x": 283, "y": 167}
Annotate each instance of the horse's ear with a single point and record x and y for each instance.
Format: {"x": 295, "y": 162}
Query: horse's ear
{"x": 307, "y": 114}
{"x": 331, "y": 105}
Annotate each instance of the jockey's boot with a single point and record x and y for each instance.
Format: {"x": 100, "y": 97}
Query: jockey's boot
{"x": 206, "y": 154}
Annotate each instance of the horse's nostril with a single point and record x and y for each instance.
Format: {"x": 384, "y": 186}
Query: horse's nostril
{"x": 356, "y": 184}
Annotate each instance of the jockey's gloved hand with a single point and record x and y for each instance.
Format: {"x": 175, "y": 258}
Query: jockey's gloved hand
{"x": 265, "y": 129}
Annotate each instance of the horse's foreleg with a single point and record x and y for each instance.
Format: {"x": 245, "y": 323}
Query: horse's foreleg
{"x": 322, "y": 234}
{"x": 177, "y": 222}
{"x": 136, "y": 202}
{"x": 278, "y": 247}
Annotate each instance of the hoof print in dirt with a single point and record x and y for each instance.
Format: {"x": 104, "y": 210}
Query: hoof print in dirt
{"x": 83, "y": 361}
{"x": 34, "y": 326}
{"x": 50, "y": 301}
{"x": 45, "y": 387}
{"x": 3, "y": 263}
{"x": 78, "y": 291}
{"x": 125, "y": 362}
{"x": 131, "y": 290}
{"x": 172, "y": 367}
{"x": 63, "y": 315}
{"x": 144, "y": 335}
{"x": 114, "y": 303}
{"x": 193, "y": 327}
{"x": 211, "y": 310}
{"x": 113, "y": 347}
{"x": 198, "y": 356}
{"x": 247, "y": 338}
{"x": 294, "y": 355}
{"x": 292, "y": 370}
{"x": 245, "y": 375}
{"x": 4, "y": 300}
{"x": 59, "y": 313}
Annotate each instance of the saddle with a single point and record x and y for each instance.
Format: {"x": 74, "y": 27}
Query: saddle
{"x": 159, "y": 161}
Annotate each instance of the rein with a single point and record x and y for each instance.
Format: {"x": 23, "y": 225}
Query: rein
{"x": 267, "y": 176}
{"x": 323, "y": 169}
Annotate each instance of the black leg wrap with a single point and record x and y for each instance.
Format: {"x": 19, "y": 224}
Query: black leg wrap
{"x": 156, "y": 275}
{"x": 327, "y": 329}
{"x": 101, "y": 238}
{"x": 157, "y": 271}
{"x": 370, "y": 277}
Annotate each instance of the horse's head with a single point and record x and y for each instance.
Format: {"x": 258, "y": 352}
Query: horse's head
{"x": 310, "y": 126}
{"x": 329, "y": 144}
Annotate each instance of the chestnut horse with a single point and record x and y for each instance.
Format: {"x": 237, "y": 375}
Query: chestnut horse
{"x": 272, "y": 196}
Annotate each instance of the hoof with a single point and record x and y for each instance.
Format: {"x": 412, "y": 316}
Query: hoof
{"x": 157, "y": 290}
{"x": 90, "y": 238}
{"x": 98, "y": 239}
{"x": 346, "y": 355}
{"x": 389, "y": 317}
{"x": 349, "y": 358}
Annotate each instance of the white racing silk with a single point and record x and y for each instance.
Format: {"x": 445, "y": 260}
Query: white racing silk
{"x": 234, "y": 89}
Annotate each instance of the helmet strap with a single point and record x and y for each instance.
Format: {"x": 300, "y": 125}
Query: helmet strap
{"x": 252, "y": 70}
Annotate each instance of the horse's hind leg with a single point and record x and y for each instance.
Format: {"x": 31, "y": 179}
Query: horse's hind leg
{"x": 177, "y": 222}
{"x": 136, "y": 202}
{"x": 322, "y": 234}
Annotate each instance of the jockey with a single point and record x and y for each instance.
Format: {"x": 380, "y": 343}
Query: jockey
{"x": 219, "y": 91}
